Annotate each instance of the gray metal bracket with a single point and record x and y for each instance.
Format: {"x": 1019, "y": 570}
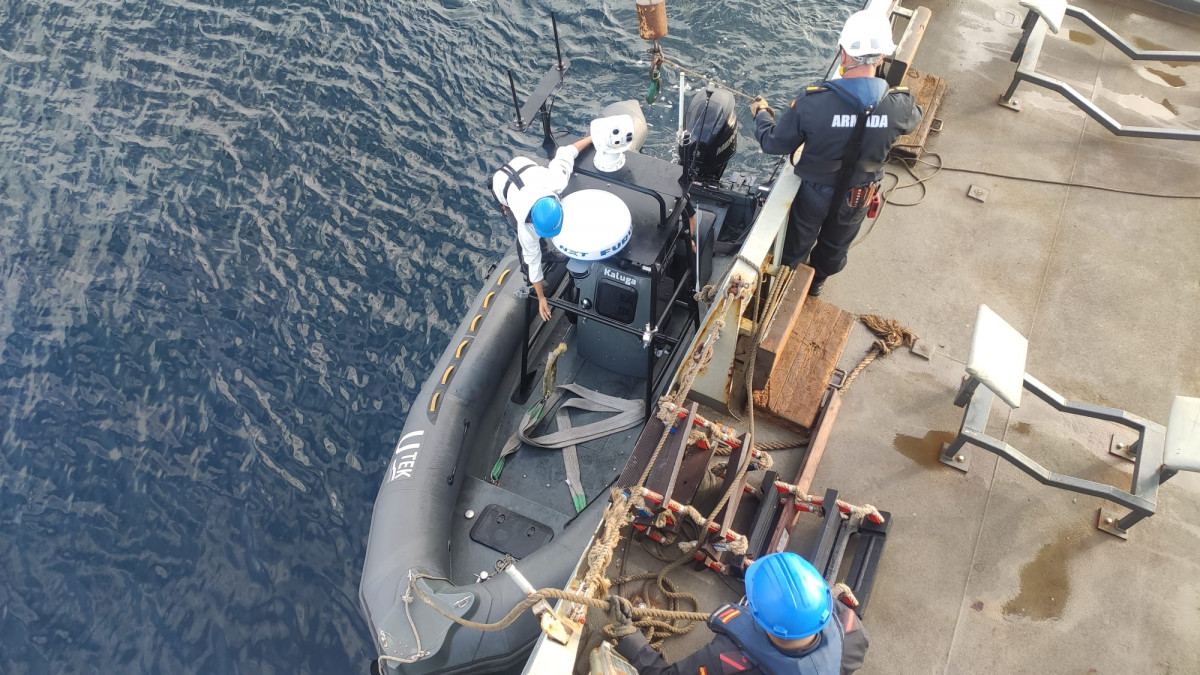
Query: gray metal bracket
{"x": 1126, "y": 451}
{"x": 977, "y": 402}
{"x": 1109, "y": 521}
{"x": 1011, "y": 103}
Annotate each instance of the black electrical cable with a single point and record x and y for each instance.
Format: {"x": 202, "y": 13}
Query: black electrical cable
{"x": 887, "y": 194}
{"x": 917, "y": 180}
{"x": 940, "y": 166}
{"x": 1047, "y": 181}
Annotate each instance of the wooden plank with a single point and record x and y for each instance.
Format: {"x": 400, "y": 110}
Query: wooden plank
{"x": 906, "y": 51}
{"x": 929, "y": 90}
{"x": 781, "y": 323}
{"x": 666, "y": 466}
{"x": 733, "y": 484}
{"x": 642, "y": 450}
{"x": 816, "y": 448}
{"x": 692, "y": 468}
{"x": 681, "y": 436}
{"x": 792, "y": 395}
{"x": 737, "y": 459}
{"x": 691, "y": 472}
{"x": 808, "y": 469}
{"x": 766, "y": 519}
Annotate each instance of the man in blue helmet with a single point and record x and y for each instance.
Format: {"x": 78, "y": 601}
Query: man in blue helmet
{"x": 528, "y": 192}
{"x": 790, "y": 624}
{"x": 847, "y": 127}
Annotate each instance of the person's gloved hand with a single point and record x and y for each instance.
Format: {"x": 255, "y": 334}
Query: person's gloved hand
{"x": 760, "y": 103}
{"x": 620, "y": 617}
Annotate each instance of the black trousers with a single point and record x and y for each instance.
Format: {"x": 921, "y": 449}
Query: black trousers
{"x": 822, "y": 248}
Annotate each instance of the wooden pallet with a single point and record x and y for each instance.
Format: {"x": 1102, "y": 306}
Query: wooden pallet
{"x": 792, "y": 394}
{"x": 929, "y": 90}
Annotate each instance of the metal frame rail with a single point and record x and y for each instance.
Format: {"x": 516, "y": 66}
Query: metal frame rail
{"x": 1029, "y": 49}
{"x": 1147, "y": 477}
{"x": 828, "y": 551}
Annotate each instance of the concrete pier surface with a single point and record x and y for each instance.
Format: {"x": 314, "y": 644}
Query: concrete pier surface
{"x": 1089, "y": 245}
{"x": 989, "y": 571}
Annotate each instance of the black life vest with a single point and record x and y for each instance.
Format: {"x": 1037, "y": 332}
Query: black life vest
{"x": 737, "y": 622}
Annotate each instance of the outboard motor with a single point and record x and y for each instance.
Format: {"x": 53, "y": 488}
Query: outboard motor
{"x": 710, "y": 134}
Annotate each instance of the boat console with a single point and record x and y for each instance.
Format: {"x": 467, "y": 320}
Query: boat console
{"x": 624, "y": 302}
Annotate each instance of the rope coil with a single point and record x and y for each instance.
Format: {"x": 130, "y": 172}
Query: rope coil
{"x": 891, "y": 334}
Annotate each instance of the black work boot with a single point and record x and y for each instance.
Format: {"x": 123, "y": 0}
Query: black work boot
{"x": 818, "y": 283}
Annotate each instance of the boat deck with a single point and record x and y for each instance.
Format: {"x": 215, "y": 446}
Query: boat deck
{"x": 989, "y": 571}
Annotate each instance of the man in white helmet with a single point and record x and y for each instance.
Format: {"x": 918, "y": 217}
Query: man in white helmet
{"x": 847, "y": 126}
{"x": 528, "y": 193}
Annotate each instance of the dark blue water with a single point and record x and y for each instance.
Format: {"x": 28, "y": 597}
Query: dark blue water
{"x": 234, "y": 237}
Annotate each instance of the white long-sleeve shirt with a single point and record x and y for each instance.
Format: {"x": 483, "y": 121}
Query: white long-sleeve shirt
{"x": 537, "y": 181}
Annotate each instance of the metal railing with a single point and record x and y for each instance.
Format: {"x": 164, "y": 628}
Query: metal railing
{"x": 1029, "y": 49}
{"x": 1140, "y": 499}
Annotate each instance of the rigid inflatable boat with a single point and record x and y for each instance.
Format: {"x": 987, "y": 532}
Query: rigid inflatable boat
{"x": 481, "y": 476}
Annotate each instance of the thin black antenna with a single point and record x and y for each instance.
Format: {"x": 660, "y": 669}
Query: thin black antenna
{"x": 512, "y": 83}
{"x": 557, "y": 48}
{"x": 538, "y": 101}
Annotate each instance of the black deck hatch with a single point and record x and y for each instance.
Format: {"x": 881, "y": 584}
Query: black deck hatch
{"x": 509, "y": 532}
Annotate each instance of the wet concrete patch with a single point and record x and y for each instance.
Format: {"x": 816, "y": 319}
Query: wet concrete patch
{"x": 1081, "y": 37}
{"x": 1046, "y": 581}
{"x": 923, "y": 451}
{"x": 1152, "y": 46}
{"x": 1148, "y": 45}
{"x": 1171, "y": 79}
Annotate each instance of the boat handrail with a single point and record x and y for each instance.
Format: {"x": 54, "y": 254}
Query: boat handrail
{"x": 607, "y": 177}
{"x": 766, "y": 234}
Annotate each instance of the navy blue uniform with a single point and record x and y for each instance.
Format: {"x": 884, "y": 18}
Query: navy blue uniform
{"x": 742, "y": 646}
{"x": 822, "y": 119}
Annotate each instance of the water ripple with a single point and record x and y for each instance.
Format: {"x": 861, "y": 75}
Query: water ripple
{"x": 234, "y": 237}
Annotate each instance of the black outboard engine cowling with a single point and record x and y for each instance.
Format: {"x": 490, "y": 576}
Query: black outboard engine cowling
{"x": 710, "y": 134}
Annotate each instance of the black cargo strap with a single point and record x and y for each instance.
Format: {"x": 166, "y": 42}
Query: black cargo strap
{"x": 623, "y": 414}
{"x": 514, "y": 177}
{"x": 850, "y": 158}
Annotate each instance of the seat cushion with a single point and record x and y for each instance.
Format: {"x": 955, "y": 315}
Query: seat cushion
{"x": 998, "y": 356}
{"x": 1051, "y": 11}
{"x": 1182, "y": 451}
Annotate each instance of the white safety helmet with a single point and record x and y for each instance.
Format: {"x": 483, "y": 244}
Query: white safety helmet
{"x": 867, "y": 33}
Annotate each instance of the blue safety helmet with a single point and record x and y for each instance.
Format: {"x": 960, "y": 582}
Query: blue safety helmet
{"x": 547, "y": 215}
{"x": 787, "y": 596}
